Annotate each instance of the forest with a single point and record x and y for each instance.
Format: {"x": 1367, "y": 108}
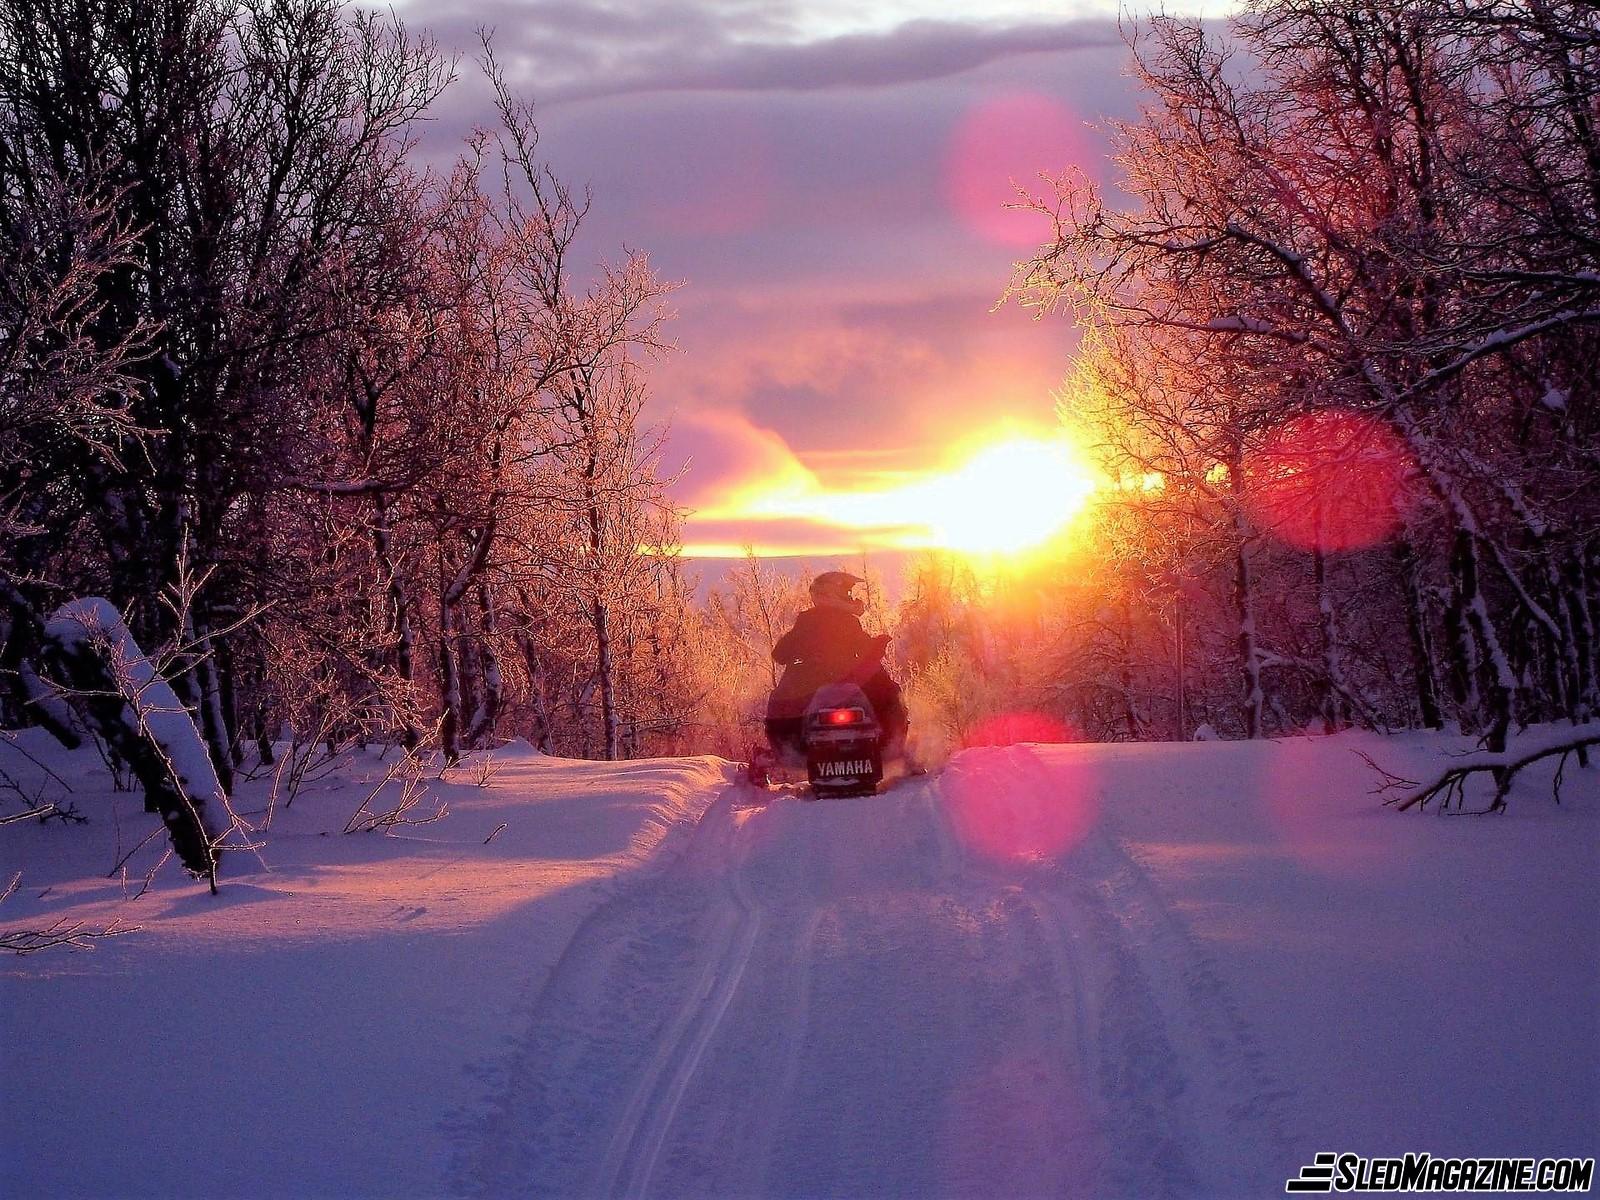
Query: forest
{"x": 354, "y": 449}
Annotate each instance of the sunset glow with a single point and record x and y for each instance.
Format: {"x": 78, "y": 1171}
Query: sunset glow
{"x": 1007, "y": 497}
{"x": 1004, "y": 494}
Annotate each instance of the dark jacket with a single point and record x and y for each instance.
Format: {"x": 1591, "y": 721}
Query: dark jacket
{"x": 826, "y": 645}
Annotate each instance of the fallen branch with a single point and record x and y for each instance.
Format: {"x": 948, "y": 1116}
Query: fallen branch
{"x": 1450, "y": 783}
{"x": 62, "y": 933}
{"x": 31, "y": 941}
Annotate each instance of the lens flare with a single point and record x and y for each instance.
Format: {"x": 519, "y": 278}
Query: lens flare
{"x": 1331, "y": 480}
{"x": 1007, "y": 729}
{"x": 1002, "y": 143}
{"x": 1004, "y": 808}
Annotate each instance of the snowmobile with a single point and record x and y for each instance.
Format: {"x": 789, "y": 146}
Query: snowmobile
{"x": 840, "y": 749}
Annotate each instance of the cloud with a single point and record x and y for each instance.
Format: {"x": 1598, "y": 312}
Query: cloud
{"x": 728, "y": 459}
{"x": 568, "y": 50}
{"x": 835, "y": 327}
{"x": 743, "y": 485}
{"x": 728, "y": 537}
{"x": 918, "y": 50}
{"x": 863, "y": 389}
{"x": 833, "y": 379}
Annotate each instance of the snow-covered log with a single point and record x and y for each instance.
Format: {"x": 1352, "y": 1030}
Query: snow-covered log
{"x": 130, "y": 705}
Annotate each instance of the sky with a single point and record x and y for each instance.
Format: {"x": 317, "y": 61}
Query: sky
{"x": 826, "y": 180}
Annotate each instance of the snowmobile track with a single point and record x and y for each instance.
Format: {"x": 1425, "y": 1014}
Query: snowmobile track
{"x": 783, "y": 986}
{"x": 636, "y": 1143}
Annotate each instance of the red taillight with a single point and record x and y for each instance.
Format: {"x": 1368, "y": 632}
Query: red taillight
{"x": 842, "y": 716}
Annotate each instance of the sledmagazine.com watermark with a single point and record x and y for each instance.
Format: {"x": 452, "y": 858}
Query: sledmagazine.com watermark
{"x": 1425, "y": 1173}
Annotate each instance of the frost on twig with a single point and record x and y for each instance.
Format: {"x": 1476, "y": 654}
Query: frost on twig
{"x": 36, "y": 802}
{"x": 483, "y": 770}
{"x": 60, "y": 933}
{"x": 410, "y": 770}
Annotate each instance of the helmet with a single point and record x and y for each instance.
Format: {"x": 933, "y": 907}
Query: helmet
{"x": 835, "y": 583}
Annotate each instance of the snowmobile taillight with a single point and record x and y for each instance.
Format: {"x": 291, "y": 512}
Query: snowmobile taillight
{"x": 843, "y": 716}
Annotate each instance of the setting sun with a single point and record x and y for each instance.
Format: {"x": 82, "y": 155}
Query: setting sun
{"x": 1007, "y": 497}
{"x": 1006, "y": 492}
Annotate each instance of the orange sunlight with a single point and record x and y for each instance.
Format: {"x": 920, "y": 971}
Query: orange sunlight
{"x": 1005, "y": 493}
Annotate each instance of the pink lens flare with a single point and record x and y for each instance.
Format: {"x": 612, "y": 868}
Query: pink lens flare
{"x": 1332, "y": 480}
{"x": 1002, "y": 143}
{"x": 1009, "y": 728}
{"x": 1005, "y": 809}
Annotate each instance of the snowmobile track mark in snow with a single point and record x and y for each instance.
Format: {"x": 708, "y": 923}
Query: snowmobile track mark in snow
{"x": 1176, "y": 1058}
{"x": 1201, "y": 1012}
{"x": 636, "y": 1143}
{"x": 1056, "y": 940}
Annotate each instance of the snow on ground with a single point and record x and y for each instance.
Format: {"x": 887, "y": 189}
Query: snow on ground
{"x": 309, "y": 1030}
{"x": 1142, "y": 971}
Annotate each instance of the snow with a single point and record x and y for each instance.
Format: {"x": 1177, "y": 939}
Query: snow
{"x": 151, "y": 701}
{"x": 1088, "y": 970}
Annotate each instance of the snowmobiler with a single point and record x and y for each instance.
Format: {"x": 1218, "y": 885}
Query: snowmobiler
{"x": 835, "y": 710}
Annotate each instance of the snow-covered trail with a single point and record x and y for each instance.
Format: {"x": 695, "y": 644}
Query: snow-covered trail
{"x": 844, "y": 999}
{"x": 1093, "y": 970}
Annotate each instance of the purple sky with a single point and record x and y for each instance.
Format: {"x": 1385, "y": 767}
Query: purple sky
{"x": 827, "y": 182}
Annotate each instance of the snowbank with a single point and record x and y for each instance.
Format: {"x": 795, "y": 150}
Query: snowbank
{"x": 338, "y": 998}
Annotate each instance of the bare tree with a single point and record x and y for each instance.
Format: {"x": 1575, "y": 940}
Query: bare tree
{"x": 1362, "y": 228}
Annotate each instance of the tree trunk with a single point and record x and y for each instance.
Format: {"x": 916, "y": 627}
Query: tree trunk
{"x": 605, "y": 675}
{"x": 21, "y": 639}
{"x": 491, "y": 684}
{"x": 1130, "y": 709}
{"x": 141, "y": 720}
{"x": 1335, "y": 687}
{"x": 1501, "y": 680}
{"x": 1424, "y": 672}
{"x": 449, "y": 686}
{"x": 1244, "y": 610}
{"x": 397, "y": 615}
{"x": 1574, "y": 605}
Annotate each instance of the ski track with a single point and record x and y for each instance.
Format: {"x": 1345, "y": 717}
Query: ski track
{"x": 836, "y": 999}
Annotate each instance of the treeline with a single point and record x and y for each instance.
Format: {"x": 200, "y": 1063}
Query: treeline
{"x": 1342, "y": 329}
{"x": 357, "y": 448}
